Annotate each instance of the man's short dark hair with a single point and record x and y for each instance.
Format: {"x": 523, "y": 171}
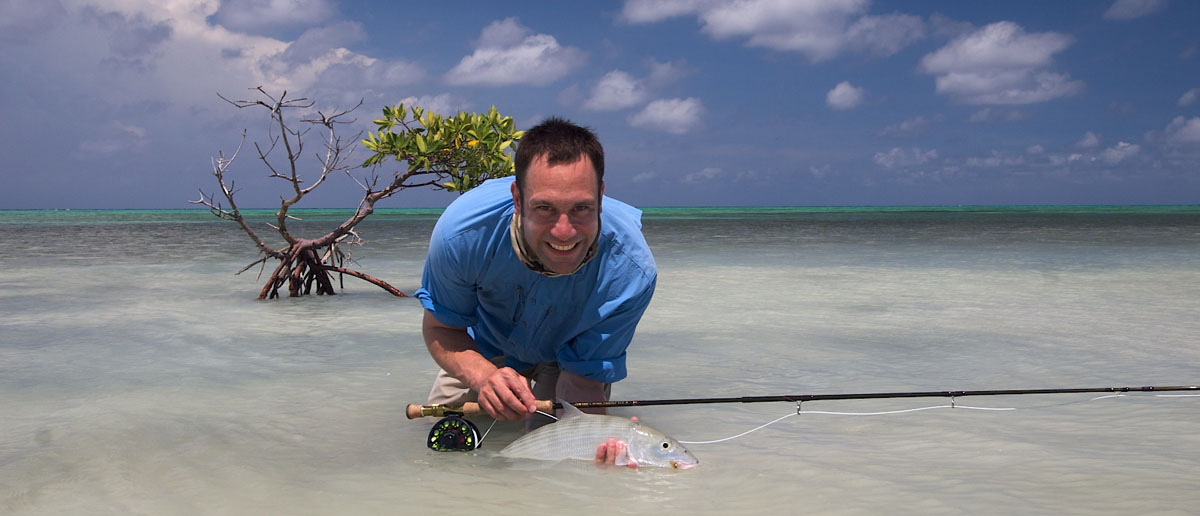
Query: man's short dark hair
{"x": 561, "y": 142}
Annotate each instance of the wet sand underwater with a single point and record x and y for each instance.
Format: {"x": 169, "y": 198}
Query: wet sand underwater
{"x": 138, "y": 375}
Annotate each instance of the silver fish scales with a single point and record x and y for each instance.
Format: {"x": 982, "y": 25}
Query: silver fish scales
{"x": 577, "y": 435}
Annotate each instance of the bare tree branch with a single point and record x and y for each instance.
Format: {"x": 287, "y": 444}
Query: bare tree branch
{"x": 219, "y": 169}
{"x": 466, "y": 149}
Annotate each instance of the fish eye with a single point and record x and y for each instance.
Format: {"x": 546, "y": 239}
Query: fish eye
{"x": 666, "y": 446}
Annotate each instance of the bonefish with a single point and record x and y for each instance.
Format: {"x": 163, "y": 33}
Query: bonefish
{"x": 577, "y": 435}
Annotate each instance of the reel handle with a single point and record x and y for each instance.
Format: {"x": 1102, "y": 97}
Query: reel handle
{"x": 469, "y": 408}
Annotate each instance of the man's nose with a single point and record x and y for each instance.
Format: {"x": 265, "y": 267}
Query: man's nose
{"x": 563, "y": 230}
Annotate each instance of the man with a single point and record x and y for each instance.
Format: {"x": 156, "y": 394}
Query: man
{"x": 539, "y": 279}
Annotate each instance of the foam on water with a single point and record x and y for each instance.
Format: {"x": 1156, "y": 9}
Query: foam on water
{"x": 139, "y": 376}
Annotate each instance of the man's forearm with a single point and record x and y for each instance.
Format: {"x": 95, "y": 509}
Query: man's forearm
{"x": 455, "y": 352}
{"x": 503, "y": 393}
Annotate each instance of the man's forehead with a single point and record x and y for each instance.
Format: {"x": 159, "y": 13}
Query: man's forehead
{"x": 562, "y": 178}
{"x": 576, "y": 197}
{"x": 543, "y": 160}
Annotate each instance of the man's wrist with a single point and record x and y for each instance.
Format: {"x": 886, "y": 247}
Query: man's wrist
{"x": 477, "y": 377}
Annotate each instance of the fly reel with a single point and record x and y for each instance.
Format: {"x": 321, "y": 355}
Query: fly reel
{"x": 453, "y": 433}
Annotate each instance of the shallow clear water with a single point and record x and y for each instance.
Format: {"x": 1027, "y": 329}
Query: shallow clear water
{"x": 138, "y": 375}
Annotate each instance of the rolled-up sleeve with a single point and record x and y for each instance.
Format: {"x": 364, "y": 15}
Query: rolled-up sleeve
{"x": 598, "y": 353}
{"x": 446, "y": 291}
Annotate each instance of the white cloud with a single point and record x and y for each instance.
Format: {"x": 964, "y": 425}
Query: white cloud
{"x": 705, "y": 175}
{"x": 502, "y": 34}
{"x": 150, "y": 61}
{"x": 321, "y": 65}
{"x": 820, "y": 29}
{"x": 1182, "y": 130}
{"x": 989, "y": 114}
{"x": 616, "y": 90}
{"x": 1189, "y": 98}
{"x": 181, "y": 59}
{"x": 994, "y": 160}
{"x": 620, "y": 90}
{"x": 1130, "y": 9}
{"x": 258, "y": 15}
{"x": 884, "y": 35}
{"x": 1001, "y": 64}
{"x": 1113, "y": 155}
{"x": 131, "y": 39}
{"x": 22, "y": 20}
{"x": 644, "y": 177}
{"x": 1120, "y": 152}
{"x": 177, "y": 58}
{"x": 676, "y": 116}
{"x": 1068, "y": 159}
{"x": 710, "y": 174}
{"x": 898, "y": 157}
{"x": 509, "y": 54}
{"x": 113, "y": 138}
{"x": 443, "y": 104}
{"x": 1089, "y": 140}
{"x": 320, "y": 41}
{"x": 1001, "y": 45}
{"x": 662, "y": 74}
{"x": 844, "y": 96}
{"x": 1035, "y": 149}
{"x": 911, "y": 126}
{"x": 650, "y": 11}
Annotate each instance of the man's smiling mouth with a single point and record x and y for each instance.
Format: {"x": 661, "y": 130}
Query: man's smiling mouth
{"x": 563, "y": 247}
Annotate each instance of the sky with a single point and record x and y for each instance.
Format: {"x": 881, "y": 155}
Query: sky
{"x": 114, "y": 103}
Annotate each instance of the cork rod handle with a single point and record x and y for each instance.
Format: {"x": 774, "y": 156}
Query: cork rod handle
{"x": 469, "y": 408}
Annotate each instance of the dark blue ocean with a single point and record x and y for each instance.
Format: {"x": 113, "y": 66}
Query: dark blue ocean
{"x": 139, "y": 375}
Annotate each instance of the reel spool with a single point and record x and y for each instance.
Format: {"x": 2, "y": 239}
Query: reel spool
{"x": 453, "y": 433}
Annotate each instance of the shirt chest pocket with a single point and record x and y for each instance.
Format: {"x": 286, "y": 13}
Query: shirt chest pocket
{"x": 531, "y": 318}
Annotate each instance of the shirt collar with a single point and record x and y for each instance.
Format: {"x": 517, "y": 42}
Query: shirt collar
{"x": 527, "y": 255}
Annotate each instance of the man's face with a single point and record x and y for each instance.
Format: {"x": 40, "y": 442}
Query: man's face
{"x": 560, "y": 211}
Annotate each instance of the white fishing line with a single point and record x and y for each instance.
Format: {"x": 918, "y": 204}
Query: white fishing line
{"x": 551, "y": 416}
{"x": 1076, "y": 402}
{"x": 802, "y": 412}
{"x": 760, "y": 427}
{"x": 952, "y": 405}
{"x": 485, "y": 433}
{"x": 901, "y": 411}
{"x": 489, "y": 429}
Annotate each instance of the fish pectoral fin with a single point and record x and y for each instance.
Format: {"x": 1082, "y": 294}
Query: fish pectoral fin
{"x": 623, "y": 458}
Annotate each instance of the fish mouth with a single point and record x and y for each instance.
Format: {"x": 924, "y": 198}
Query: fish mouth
{"x": 683, "y": 465}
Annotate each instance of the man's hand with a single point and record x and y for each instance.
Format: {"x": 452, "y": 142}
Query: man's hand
{"x": 505, "y": 395}
{"x": 612, "y": 450}
{"x": 609, "y": 451}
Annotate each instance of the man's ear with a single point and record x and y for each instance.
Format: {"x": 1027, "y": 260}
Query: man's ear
{"x": 601, "y": 207}
{"x": 516, "y": 193}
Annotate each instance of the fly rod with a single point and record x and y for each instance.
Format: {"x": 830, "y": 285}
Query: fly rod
{"x": 473, "y": 409}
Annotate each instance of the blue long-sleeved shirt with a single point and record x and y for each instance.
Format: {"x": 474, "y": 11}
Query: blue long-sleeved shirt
{"x": 584, "y": 321}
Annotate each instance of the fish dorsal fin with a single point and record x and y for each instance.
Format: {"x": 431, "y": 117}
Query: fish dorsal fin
{"x": 569, "y": 410}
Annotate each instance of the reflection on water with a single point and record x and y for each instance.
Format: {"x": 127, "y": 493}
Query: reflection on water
{"x": 139, "y": 376}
